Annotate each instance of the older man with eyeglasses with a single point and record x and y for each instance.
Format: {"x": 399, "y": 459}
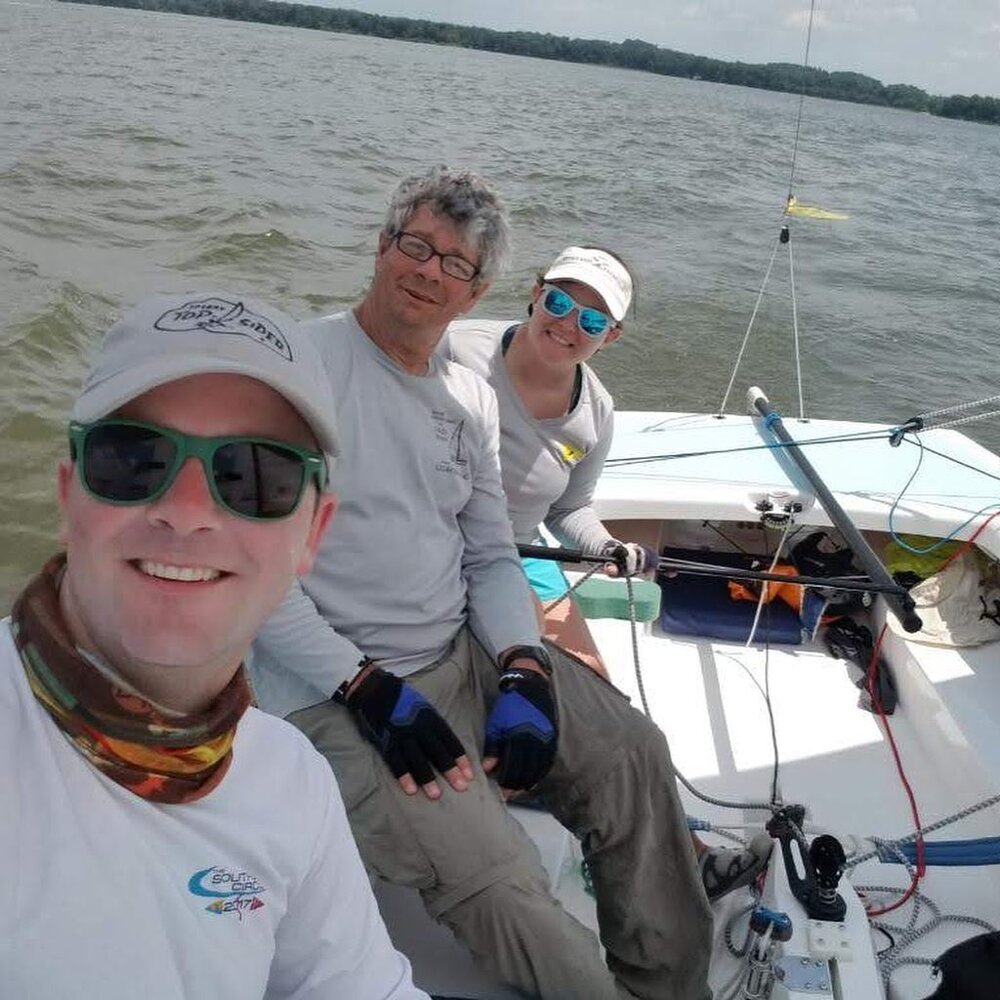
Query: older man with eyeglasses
{"x": 412, "y": 649}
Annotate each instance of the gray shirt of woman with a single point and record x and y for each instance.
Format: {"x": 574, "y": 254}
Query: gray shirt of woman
{"x": 549, "y": 467}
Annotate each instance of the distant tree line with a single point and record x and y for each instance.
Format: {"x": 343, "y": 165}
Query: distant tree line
{"x": 630, "y": 54}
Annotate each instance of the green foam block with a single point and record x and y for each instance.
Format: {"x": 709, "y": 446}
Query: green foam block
{"x": 601, "y": 597}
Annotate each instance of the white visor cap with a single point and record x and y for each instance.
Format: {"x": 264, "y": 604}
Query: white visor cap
{"x": 598, "y": 270}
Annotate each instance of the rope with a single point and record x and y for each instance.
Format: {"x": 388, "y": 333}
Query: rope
{"x": 951, "y": 458}
{"x": 546, "y": 608}
{"x": 724, "y": 803}
{"x": 763, "y": 590}
{"x": 924, "y": 830}
{"x": 635, "y": 648}
{"x": 795, "y": 331}
{"x": 731, "y": 989}
{"x": 773, "y": 446}
{"x": 802, "y": 99}
{"x": 753, "y": 316}
{"x": 832, "y": 439}
{"x": 891, "y": 958}
{"x": 924, "y": 550}
{"x": 765, "y": 806}
{"x": 924, "y": 418}
{"x": 731, "y": 924}
{"x": 773, "y": 805}
{"x": 918, "y": 874}
{"x": 963, "y": 420}
{"x": 782, "y": 237}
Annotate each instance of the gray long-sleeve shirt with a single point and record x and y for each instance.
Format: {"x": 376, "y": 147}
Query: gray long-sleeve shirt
{"x": 550, "y": 467}
{"x": 420, "y": 543}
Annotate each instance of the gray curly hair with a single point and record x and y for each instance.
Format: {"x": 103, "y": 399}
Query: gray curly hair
{"x": 468, "y": 201}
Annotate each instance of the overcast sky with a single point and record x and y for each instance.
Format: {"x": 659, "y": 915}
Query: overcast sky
{"x": 943, "y": 46}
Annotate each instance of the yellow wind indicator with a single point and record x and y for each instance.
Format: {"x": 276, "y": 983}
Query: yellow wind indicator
{"x": 810, "y": 211}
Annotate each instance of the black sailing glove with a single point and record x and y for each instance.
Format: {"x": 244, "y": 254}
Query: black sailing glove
{"x": 522, "y": 730}
{"x": 629, "y": 558}
{"x": 404, "y": 726}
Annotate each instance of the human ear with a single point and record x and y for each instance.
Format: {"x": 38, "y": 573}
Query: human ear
{"x": 325, "y": 507}
{"x": 612, "y": 335}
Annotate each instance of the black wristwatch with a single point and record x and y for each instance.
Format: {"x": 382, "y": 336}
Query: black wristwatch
{"x": 340, "y": 695}
{"x": 537, "y": 653}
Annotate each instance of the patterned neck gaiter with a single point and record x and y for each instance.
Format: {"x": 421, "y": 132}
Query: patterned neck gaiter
{"x": 163, "y": 758}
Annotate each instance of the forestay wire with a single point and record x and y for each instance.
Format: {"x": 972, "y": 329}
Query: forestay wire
{"x": 753, "y": 317}
{"x": 802, "y": 99}
{"x": 953, "y": 416}
{"x": 784, "y": 237}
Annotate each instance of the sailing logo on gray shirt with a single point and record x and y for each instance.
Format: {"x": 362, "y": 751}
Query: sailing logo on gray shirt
{"x": 449, "y": 431}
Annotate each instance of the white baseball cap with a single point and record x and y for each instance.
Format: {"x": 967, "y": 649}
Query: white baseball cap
{"x": 173, "y": 336}
{"x": 599, "y": 270}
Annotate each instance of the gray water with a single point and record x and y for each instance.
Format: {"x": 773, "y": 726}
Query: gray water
{"x": 146, "y": 152}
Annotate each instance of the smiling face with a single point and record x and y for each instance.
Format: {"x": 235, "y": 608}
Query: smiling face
{"x": 559, "y": 341}
{"x": 172, "y": 592}
{"x": 410, "y": 298}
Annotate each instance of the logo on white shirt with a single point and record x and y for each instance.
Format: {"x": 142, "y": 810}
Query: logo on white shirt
{"x": 230, "y": 891}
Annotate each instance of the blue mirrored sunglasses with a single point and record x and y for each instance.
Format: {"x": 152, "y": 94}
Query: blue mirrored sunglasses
{"x": 558, "y": 303}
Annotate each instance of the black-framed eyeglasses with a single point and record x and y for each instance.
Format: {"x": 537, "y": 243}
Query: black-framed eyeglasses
{"x": 419, "y": 249}
{"x": 132, "y": 462}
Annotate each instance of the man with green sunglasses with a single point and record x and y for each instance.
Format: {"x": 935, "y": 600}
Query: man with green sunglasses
{"x": 160, "y": 836}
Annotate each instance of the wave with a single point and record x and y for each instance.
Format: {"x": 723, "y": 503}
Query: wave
{"x": 266, "y": 248}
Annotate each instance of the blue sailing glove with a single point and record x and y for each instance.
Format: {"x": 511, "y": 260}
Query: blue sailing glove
{"x": 522, "y": 730}
{"x": 404, "y": 726}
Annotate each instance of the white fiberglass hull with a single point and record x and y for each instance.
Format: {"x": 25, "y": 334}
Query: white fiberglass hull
{"x": 834, "y": 757}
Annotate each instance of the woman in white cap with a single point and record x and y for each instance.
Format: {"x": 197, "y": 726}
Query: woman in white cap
{"x": 556, "y": 424}
{"x": 556, "y": 420}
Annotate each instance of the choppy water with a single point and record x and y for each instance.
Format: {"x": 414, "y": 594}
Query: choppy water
{"x": 143, "y": 152}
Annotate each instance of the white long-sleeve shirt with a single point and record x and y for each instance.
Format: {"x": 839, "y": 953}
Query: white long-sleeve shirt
{"x": 255, "y": 891}
{"x": 420, "y": 543}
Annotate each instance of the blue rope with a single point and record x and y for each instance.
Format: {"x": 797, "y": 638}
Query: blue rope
{"x": 915, "y": 550}
{"x": 956, "y": 853}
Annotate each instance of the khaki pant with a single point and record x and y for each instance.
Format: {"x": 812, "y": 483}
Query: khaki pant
{"x": 480, "y": 874}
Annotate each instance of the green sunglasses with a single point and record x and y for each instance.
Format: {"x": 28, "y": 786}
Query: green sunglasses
{"x": 130, "y": 462}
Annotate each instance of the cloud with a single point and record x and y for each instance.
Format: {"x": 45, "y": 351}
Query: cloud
{"x": 901, "y": 12}
{"x": 858, "y": 15}
{"x": 799, "y": 19}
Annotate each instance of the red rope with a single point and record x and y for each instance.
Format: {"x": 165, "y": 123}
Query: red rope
{"x": 877, "y": 702}
{"x": 967, "y": 544}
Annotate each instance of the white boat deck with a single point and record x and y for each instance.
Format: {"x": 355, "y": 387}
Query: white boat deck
{"x": 865, "y": 476}
{"x": 833, "y": 759}
{"x": 833, "y": 756}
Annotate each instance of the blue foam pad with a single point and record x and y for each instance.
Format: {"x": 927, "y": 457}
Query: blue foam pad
{"x": 701, "y": 605}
